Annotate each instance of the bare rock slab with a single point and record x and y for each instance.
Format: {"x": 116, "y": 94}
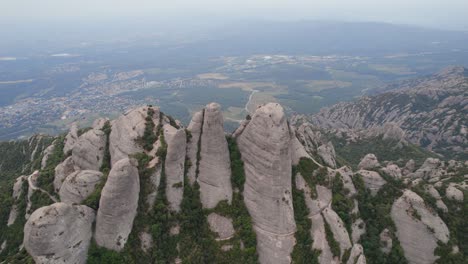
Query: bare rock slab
{"x": 59, "y": 233}
{"x": 118, "y": 205}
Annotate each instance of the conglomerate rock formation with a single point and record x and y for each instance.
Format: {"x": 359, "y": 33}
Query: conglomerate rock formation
{"x": 111, "y": 171}
{"x": 265, "y": 148}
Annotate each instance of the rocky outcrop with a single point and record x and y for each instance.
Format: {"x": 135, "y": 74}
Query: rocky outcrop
{"x": 88, "y": 151}
{"x": 79, "y": 185}
{"x": 414, "y": 220}
{"x": 62, "y": 170}
{"x": 327, "y": 153}
{"x": 453, "y": 193}
{"x": 126, "y": 130}
{"x": 357, "y": 255}
{"x": 428, "y": 111}
{"x": 435, "y": 194}
{"x": 265, "y": 149}
{"x": 221, "y": 225}
{"x": 372, "y": 180}
{"x": 46, "y": 154}
{"x": 369, "y": 162}
{"x": 71, "y": 138}
{"x": 17, "y": 192}
{"x": 386, "y": 241}
{"x": 338, "y": 229}
{"x": 194, "y": 127}
{"x": 174, "y": 165}
{"x": 393, "y": 170}
{"x": 59, "y": 233}
{"x": 431, "y": 168}
{"x": 215, "y": 166}
{"x": 118, "y": 205}
{"x": 320, "y": 240}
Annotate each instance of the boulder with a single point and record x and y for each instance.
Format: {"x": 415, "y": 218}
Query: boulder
{"x": 126, "y": 130}
{"x": 194, "y": 127}
{"x": 79, "y": 185}
{"x": 62, "y": 170}
{"x": 453, "y": 193}
{"x": 372, "y": 180}
{"x": 386, "y": 241}
{"x": 393, "y": 170}
{"x": 266, "y": 152}
{"x": 369, "y": 162}
{"x": 221, "y": 225}
{"x": 174, "y": 165}
{"x": 414, "y": 220}
{"x": 118, "y": 205}
{"x": 357, "y": 255}
{"x": 431, "y": 168}
{"x": 88, "y": 151}
{"x": 214, "y": 174}
{"x": 59, "y": 233}
{"x": 327, "y": 153}
{"x": 358, "y": 228}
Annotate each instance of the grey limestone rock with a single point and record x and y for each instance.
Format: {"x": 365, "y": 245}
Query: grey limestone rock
{"x": 174, "y": 165}
{"x": 266, "y": 152}
{"x": 118, "y": 205}
{"x": 215, "y": 165}
{"x": 79, "y": 185}
{"x": 59, "y": 233}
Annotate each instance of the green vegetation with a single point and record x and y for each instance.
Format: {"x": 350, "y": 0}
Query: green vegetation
{"x": 375, "y": 211}
{"x": 351, "y": 153}
{"x": 302, "y": 252}
{"x": 47, "y": 174}
{"x": 342, "y": 204}
{"x": 106, "y": 160}
{"x": 455, "y": 219}
{"x": 334, "y": 245}
{"x": 12, "y": 234}
{"x": 149, "y": 135}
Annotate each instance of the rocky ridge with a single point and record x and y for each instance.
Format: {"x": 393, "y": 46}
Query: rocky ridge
{"x": 149, "y": 163}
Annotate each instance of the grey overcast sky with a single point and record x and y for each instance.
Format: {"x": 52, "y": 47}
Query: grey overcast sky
{"x": 448, "y": 14}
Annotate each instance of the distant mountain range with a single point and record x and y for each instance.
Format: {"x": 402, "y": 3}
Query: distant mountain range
{"x": 431, "y": 111}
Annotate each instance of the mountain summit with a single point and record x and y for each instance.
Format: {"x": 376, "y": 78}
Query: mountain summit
{"x": 144, "y": 189}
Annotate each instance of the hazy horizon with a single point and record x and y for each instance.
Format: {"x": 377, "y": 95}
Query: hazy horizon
{"x": 449, "y": 14}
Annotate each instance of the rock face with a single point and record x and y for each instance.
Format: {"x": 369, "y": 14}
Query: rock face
{"x": 386, "y": 241}
{"x": 62, "y": 170}
{"x": 174, "y": 165}
{"x": 194, "y": 127}
{"x": 414, "y": 220}
{"x": 357, "y": 255}
{"x": 71, "y": 138}
{"x": 126, "y": 130}
{"x": 59, "y": 233}
{"x": 79, "y": 185}
{"x": 372, "y": 180}
{"x": 215, "y": 165}
{"x": 265, "y": 149}
{"x": 369, "y": 162}
{"x": 327, "y": 153}
{"x": 118, "y": 205}
{"x": 88, "y": 151}
{"x": 17, "y": 192}
{"x": 439, "y": 125}
{"x": 47, "y": 152}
